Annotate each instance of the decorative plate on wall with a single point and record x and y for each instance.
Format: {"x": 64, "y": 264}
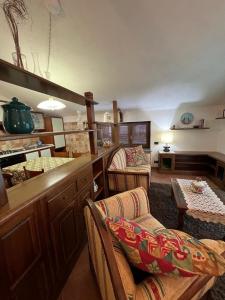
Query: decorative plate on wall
{"x": 187, "y": 118}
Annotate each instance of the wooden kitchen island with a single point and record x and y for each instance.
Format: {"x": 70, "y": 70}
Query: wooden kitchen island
{"x": 42, "y": 229}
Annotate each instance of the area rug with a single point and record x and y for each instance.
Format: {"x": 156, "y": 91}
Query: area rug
{"x": 163, "y": 208}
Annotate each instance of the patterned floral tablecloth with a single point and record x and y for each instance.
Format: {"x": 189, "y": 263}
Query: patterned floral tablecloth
{"x": 46, "y": 163}
{"x": 206, "y": 206}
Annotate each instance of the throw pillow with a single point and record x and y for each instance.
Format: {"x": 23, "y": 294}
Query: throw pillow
{"x": 136, "y": 156}
{"x": 164, "y": 251}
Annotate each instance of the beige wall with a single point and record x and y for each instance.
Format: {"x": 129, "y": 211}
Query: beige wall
{"x": 193, "y": 140}
{"x": 78, "y": 142}
{"x": 221, "y": 137}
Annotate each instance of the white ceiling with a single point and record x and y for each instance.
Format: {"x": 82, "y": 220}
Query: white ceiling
{"x": 154, "y": 54}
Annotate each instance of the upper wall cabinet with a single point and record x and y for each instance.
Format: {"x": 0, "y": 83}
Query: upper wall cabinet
{"x": 55, "y": 124}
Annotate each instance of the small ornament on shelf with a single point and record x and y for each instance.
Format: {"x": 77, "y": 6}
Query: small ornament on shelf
{"x": 107, "y": 143}
{"x": 202, "y": 123}
{"x": 95, "y": 187}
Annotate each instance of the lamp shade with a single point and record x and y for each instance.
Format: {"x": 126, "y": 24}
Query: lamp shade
{"x": 51, "y": 104}
{"x": 167, "y": 138}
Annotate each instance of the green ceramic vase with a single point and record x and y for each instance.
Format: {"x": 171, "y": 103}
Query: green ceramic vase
{"x": 17, "y": 117}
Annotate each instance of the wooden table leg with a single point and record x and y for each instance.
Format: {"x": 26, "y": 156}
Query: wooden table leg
{"x": 181, "y": 218}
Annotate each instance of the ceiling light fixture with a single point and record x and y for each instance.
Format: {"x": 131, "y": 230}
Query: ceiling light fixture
{"x": 51, "y": 104}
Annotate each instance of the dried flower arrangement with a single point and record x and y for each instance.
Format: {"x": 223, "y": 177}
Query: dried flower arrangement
{"x": 14, "y": 11}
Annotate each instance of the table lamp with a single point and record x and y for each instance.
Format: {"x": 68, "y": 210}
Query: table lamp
{"x": 167, "y": 138}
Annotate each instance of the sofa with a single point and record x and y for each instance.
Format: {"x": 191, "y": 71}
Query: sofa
{"x": 122, "y": 177}
{"x": 113, "y": 273}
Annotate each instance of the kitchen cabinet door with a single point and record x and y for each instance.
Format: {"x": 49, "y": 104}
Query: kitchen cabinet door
{"x": 46, "y": 153}
{"x": 57, "y": 125}
{"x": 23, "y": 273}
{"x": 82, "y": 202}
{"x": 64, "y": 240}
{"x": 32, "y": 155}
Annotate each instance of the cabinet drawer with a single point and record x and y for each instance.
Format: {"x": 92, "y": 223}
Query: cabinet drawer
{"x": 84, "y": 178}
{"x": 61, "y": 201}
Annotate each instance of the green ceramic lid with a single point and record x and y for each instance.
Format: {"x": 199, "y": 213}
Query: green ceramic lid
{"x": 15, "y": 104}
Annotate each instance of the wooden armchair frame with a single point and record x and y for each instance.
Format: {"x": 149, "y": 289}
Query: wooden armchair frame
{"x": 108, "y": 252}
{"x": 107, "y": 246}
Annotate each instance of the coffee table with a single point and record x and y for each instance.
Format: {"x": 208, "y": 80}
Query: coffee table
{"x": 180, "y": 201}
{"x": 178, "y": 196}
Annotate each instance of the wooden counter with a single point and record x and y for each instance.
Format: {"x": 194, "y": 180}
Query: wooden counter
{"x": 42, "y": 229}
{"x": 216, "y": 155}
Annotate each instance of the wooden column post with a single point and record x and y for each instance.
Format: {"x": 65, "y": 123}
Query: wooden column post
{"x": 91, "y": 123}
{"x": 3, "y": 194}
{"x": 116, "y": 136}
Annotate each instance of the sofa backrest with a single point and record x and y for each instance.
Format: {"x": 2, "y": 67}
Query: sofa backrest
{"x": 130, "y": 204}
{"x": 105, "y": 260}
{"x": 119, "y": 160}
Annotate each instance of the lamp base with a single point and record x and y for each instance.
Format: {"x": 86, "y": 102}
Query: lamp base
{"x": 166, "y": 148}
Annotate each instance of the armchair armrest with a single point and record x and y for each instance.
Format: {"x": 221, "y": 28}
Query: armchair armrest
{"x": 125, "y": 180}
{"x": 128, "y": 172}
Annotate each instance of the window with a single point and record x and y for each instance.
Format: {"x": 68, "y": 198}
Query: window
{"x": 104, "y": 131}
{"x": 135, "y": 133}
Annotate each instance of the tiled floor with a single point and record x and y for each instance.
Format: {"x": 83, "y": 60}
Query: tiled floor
{"x": 81, "y": 284}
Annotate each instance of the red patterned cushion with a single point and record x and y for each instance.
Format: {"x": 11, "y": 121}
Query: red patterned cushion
{"x": 136, "y": 156}
{"x": 164, "y": 251}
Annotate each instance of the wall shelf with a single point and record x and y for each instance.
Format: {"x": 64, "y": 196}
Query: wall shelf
{"x": 10, "y": 137}
{"x": 98, "y": 174}
{"x": 220, "y": 118}
{"x": 99, "y": 191}
{"x": 20, "y": 77}
{"x": 189, "y": 128}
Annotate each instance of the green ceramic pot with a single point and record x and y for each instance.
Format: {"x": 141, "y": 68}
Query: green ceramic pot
{"x": 17, "y": 117}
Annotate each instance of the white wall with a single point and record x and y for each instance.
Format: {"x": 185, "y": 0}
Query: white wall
{"x": 190, "y": 140}
{"x": 221, "y": 136}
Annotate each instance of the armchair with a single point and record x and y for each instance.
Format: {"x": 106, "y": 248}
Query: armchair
{"x": 110, "y": 266}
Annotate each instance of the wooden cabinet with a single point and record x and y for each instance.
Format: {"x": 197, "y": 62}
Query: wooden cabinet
{"x": 23, "y": 273}
{"x": 65, "y": 222}
{"x": 41, "y": 240}
{"x": 81, "y": 202}
{"x": 220, "y": 173}
{"x": 64, "y": 239}
{"x": 166, "y": 161}
{"x": 210, "y": 164}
